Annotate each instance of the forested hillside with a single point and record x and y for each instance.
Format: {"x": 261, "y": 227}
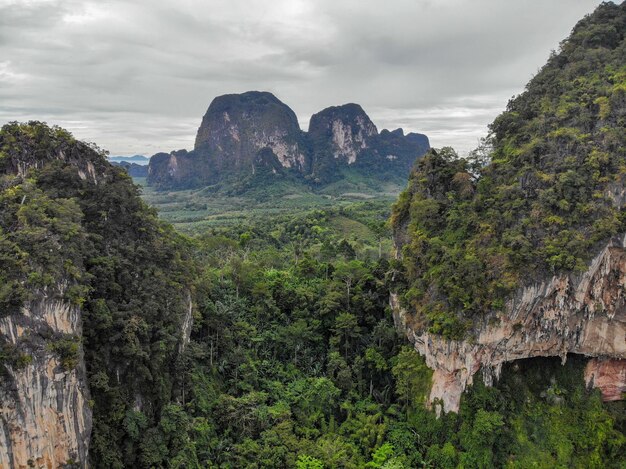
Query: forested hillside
{"x": 539, "y": 198}
{"x": 293, "y": 358}
{"x": 265, "y": 338}
{"x": 76, "y": 236}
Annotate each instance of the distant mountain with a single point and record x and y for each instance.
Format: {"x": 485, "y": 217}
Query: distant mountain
{"x": 137, "y": 159}
{"x": 133, "y": 169}
{"x": 344, "y": 136}
{"x": 255, "y": 136}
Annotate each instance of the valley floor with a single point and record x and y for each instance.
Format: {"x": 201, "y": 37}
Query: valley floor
{"x": 295, "y": 361}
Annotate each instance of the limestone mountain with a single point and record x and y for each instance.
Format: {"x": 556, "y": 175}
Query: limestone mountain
{"x": 520, "y": 251}
{"x": 342, "y": 131}
{"x": 242, "y": 134}
{"x": 237, "y": 126}
{"x": 95, "y": 302}
{"x": 344, "y": 136}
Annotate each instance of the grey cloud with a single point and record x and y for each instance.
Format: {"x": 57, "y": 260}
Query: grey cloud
{"x": 137, "y": 76}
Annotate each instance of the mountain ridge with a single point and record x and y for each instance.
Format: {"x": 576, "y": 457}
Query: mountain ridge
{"x": 241, "y": 134}
{"x": 137, "y": 159}
{"x": 519, "y": 251}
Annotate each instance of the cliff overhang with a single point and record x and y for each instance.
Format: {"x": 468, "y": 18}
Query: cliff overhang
{"x": 582, "y": 313}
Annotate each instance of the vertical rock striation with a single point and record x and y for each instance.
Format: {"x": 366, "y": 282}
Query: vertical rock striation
{"x": 346, "y": 129}
{"x": 583, "y": 314}
{"x": 243, "y": 134}
{"x": 45, "y": 418}
{"x": 237, "y": 126}
{"x": 609, "y": 376}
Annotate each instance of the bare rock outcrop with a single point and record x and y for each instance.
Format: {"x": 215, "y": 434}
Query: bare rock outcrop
{"x": 253, "y": 133}
{"x": 345, "y": 135}
{"x": 577, "y": 313}
{"x": 347, "y": 130}
{"x": 45, "y": 418}
{"x": 609, "y": 376}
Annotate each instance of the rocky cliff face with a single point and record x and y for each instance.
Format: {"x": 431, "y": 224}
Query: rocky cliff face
{"x": 177, "y": 168}
{"x": 347, "y": 135}
{"x": 82, "y": 258}
{"x": 63, "y": 148}
{"x": 524, "y": 256}
{"x": 45, "y": 417}
{"x": 583, "y": 314}
{"x": 608, "y": 375}
{"x": 346, "y": 129}
{"x": 237, "y": 126}
{"x": 241, "y": 134}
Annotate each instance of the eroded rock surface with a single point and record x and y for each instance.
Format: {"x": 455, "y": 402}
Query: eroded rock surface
{"x": 254, "y": 133}
{"x": 346, "y": 128}
{"x": 45, "y": 417}
{"x": 237, "y": 126}
{"x": 583, "y": 314}
{"x": 609, "y": 376}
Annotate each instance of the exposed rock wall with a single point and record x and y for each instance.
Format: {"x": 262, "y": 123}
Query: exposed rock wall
{"x": 45, "y": 418}
{"x": 187, "y": 324}
{"x": 46, "y": 408}
{"x": 584, "y": 314}
{"x": 88, "y": 169}
{"x": 609, "y": 376}
{"x": 237, "y": 126}
{"x": 346, "y": 128}
{"x": 245, "y": 134}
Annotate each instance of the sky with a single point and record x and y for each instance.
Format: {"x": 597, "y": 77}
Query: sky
{"x": 137, "y": 76}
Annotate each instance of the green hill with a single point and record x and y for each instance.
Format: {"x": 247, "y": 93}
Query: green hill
{"x": 540, "y": 198}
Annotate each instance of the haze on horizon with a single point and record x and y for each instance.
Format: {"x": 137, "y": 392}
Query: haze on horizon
{"x": 136, "y": 77}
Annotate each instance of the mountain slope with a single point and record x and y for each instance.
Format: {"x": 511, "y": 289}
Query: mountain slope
{"x": 95, "y": 303}
{"x": 523, "y": 256}
{"x": 252, "y": 134}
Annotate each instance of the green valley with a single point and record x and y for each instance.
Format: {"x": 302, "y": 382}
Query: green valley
{"x": 336, "y": 298}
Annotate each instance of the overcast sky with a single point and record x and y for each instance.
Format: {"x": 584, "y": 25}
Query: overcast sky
{"x": 137, "y": 76}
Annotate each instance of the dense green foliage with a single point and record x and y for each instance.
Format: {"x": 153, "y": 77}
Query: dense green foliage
{"x": 197, "y": 211}
{"x": 294, "y": 362}
{"x": 91, "y": 242}
{"x": 34, "y": 226}
{"x": 293, "y": 359}
{"x": 545, "y": 200}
